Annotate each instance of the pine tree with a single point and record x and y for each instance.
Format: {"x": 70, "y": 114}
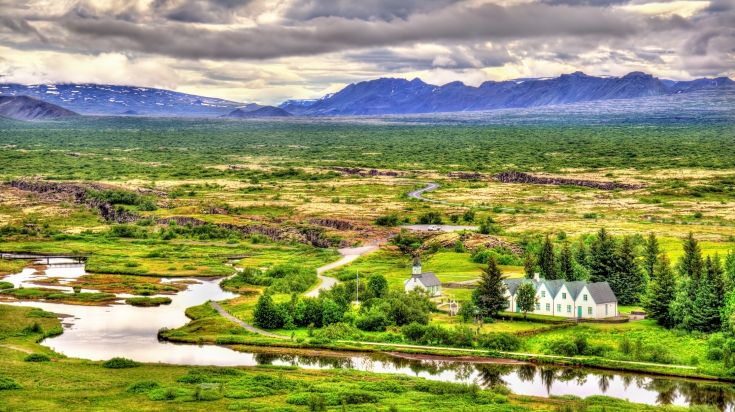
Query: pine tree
{"x": 691, "y": 264}
{"x": 529, "y": 265}
{"x": 547, "y": 260}
{"x": 627, "y": 281}
{"x": 650, "y": 257}
{"x": 602, "y": 257}
{"x": 526, "y": 298}
{"x": 566, "y": 263}
{"x": 582, "y": 253}
{"x": 729, "y": 277}
{"x": 661, "y": 293}
{"x": 714, "y": 266}
{"x": 489, "y": 297}
{"x": 706, "y": 314}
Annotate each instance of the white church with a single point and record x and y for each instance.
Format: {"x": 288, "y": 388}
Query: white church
{"x": 422, "y": 280}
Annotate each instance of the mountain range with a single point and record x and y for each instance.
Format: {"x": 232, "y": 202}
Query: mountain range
{"x": 374, "y": 97}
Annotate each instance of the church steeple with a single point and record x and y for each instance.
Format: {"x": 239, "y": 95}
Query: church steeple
{"x": 416, "y": 266}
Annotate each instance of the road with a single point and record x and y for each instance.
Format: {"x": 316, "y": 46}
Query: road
{"x": 247, "y": 326}
{"x": 419, "y": 193}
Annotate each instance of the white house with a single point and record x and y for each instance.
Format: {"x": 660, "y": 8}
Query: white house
{"x": 422, "y": 280}
{"x": 568, "y": 299}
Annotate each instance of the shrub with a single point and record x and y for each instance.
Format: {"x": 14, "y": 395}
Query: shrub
{"x": 356, "y": 397}
{"x": 37, "y": 357}
{"x": 5, "y": 285}
{"x": 120, "y": 363}
{"x": 143, "y": 386}
{"x": 387, "y": 220}
{"x": 148, "y": 302}
{"x": 339, "y": 330}
{"x": 714, "y": 354}
{"x": 8, "y": 383}
{"x": 430, "y": 218}
{"x": 563, "y": 347}
{"x": 500, "y": 342}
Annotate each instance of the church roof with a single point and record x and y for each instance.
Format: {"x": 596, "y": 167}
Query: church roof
{"x": 427, "y": 279}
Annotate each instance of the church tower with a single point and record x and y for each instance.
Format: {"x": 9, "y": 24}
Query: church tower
{"x": 416, "y": 266}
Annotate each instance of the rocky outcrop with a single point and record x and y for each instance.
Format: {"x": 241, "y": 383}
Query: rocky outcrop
{"x": 520, "y": 177}
{"x": 79, "y": 193}
{"x": 333, "y": 223}
{"x": 466, "y": 175}
{"x": 307, "y": 235}
{"x": 356, "y": 171}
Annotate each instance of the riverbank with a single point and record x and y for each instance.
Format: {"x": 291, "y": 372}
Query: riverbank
{"x": 74, "y": 384}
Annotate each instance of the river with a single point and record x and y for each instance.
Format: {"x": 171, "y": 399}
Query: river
{"x": 103, "y": 332}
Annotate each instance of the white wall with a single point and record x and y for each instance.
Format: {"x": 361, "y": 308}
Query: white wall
{"x": 564, "y": 302}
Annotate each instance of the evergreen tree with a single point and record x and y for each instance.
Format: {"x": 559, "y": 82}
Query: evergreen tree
{"x": 582, "y": 254}
{"x": 714, "y": 267}
{"x": 691, "y": 264}
{"x": 566, "y": 263}
{"x": 529, "y": 265}
{"x": 377, "y": 286}
{"x": 489, "y": 297}
{"x": 627, "y": 281}
{"x": 729, "y": 277}
{"x": 547, "y": 260}
{"x": 705, "y": 315}
{"x": 661, "y": 293}
{"x": 526, "y": 298}
{"x": 650, "y": 257}
{"x": 266, "y": 314}
{"x": 602, "y": 257}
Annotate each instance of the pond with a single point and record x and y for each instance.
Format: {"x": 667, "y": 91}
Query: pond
{"x": 103, "y": 332}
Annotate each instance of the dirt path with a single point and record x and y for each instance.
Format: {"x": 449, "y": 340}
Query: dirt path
{"x": 348, "y": 255}
{"x": 239, "y": 322}
{"x": 419, "y": 193}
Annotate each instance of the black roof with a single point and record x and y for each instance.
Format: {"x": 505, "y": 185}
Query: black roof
{"x": 428, "y": 279}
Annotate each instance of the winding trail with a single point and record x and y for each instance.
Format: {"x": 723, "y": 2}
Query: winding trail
{"x": 239, "y": 322}
{"x": 419, "y": 193}
{"x": 348, "y": 255}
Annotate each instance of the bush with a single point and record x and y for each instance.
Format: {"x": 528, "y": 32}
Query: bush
{"x": 563, "y": 347}
{"x": 387, "y": 220}
{"x": 37, "y": 357}
{"x": 6, "y": 285}
{"x": 120, "y": 363}
{"x": 714, "y": 354}
{"x": 339, "y": 330}
{"x": 430, "y": 218}
{"x": 500, "y": 342}
{"x": 143, "y": 386}
{"x": 148, "y": 302}
{"x": 8, "y": 383}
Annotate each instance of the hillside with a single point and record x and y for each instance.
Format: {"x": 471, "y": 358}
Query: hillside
{"x": 28, "y": 108}
{"x": 265, "y": 111}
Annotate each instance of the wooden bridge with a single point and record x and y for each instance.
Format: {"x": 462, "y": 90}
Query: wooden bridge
{"x": 37, "y": 257}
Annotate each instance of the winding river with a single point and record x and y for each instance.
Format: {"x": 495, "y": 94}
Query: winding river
{"x": 103, "y": 332}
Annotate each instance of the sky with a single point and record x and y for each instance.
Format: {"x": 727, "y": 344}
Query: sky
{"x": 267, "y": 51}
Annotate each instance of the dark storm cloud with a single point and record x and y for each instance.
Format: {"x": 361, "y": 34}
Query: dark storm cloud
{"x": 366, "y": 10}
{"x": 454, "y": 58}
{"x": 595, "y": 3}
{"x": 331, "y": 34}
{"x": 195, "y": 11}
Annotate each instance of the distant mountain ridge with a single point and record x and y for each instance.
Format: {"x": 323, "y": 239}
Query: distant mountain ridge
{"x": 28, "y": 108}
{"x": 372, "y": 97}
{"x": 109, "y": 100}
{"x": 401, "y": 96}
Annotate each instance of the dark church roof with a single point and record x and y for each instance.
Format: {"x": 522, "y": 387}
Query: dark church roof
{"x": 427, "y": 279}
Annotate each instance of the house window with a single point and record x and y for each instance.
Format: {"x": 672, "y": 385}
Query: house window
{"x": 538, "y": 306}
{"x": 563, "y": 295}
{"x": 558, "y": 307}
{"x": 569, "y": 308}
{"x": 584, "y": 297}
{"x": 543, "y": 293}
{"x": 589, "y": 310}
{"x": 548, "y": 307}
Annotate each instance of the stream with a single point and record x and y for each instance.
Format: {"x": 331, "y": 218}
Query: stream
{"x": 103, "y": 332}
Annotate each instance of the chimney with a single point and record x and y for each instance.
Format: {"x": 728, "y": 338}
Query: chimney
{"x": 537, "y": 276}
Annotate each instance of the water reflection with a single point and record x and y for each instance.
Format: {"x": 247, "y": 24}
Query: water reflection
{"x": 100, "y": 333}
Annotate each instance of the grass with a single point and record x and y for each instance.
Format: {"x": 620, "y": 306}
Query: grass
{"x": 148, "y": 301}
{"x": 83, "y": 298}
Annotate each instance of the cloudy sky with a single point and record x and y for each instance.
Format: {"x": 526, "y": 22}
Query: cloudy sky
{"x": 270, "y": 50}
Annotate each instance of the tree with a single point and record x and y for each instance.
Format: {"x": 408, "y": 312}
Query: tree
{"x": 266, "y": 314}
{"x": 529, "y": 265}
{"x": 377, "y": 286}
{"x": 602, "y": 257}
{"x": 650, "y": 256}
{"x": 489, "y": 297}
{"x": 729, "y": 276}
{"x": 526, "y": 298}
{"x": 690, "y": 268}
{"x": 661, "y": 293}
{"x": 566, "y": 263}
{"x": 407, "y": 242}
{"x": 582, "y": 254}
{"x": 706, "y": 314}
{"x": 331, "y": 312}
{"x": 467, "y": 312}
{"x": 547, "y": 260}
{"x": 627, "y": 280}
